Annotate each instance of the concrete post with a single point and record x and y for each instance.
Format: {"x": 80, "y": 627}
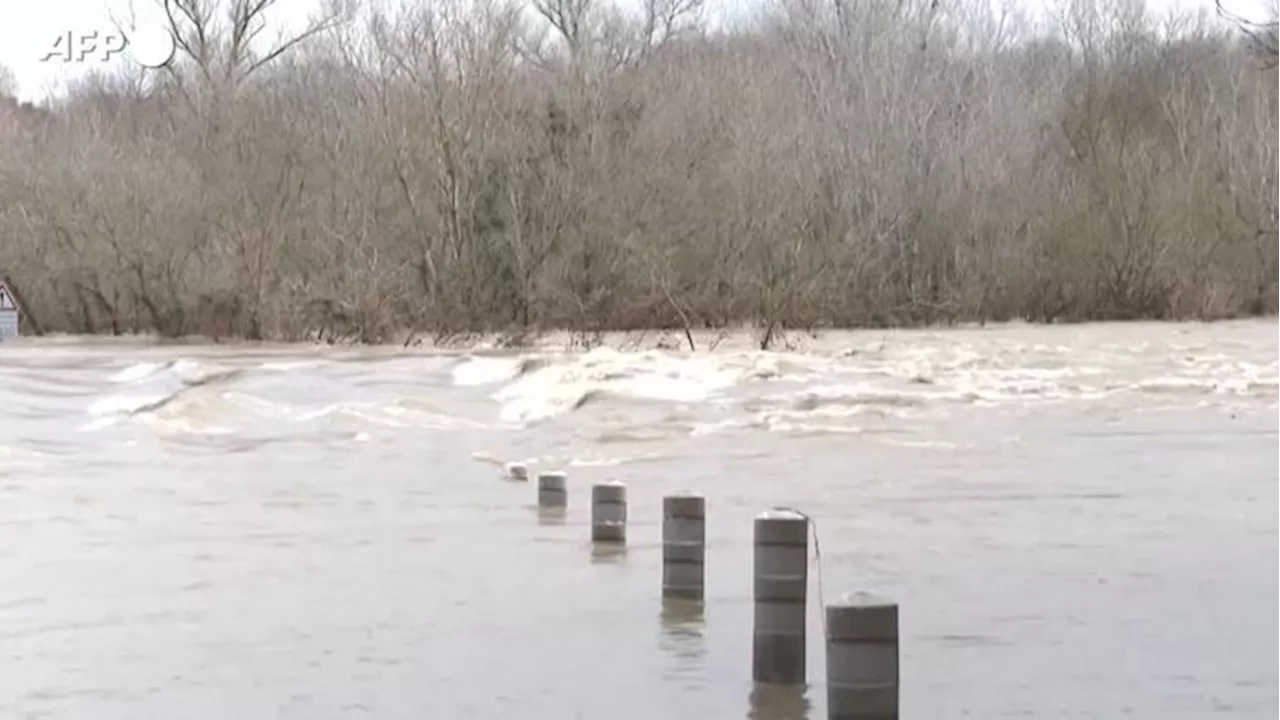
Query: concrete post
{"x": 862, "y": 658}
{"x": 781, "y": 588}
{"x": 609, "y": 513}
{"x": 684, "y": 546}
{"x": 552, "y": 490}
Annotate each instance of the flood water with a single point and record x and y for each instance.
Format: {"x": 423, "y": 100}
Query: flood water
{"x": 1077, "y": 522}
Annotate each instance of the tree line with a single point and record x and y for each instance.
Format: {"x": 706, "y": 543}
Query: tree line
{"x": 467, "y": 166}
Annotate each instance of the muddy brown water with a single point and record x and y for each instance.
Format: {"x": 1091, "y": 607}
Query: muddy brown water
{"x": 1078, "y": 522}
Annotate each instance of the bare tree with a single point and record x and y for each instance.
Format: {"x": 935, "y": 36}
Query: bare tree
{"x": 1263, "y": 35}
{"x": 222, "y": 39}
{"x": 469, "y": 166}
{"x": 8, "y": 82}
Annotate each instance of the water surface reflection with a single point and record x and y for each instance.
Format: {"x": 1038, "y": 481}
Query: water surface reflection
{"x": 1079, "y": 522}
{"x": 778, "y": 702}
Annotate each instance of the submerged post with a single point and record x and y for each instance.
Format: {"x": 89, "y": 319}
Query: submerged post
{"x": 609, "y": 513}
{"x": 684, "y": 546}
{"x": 781, "y": 588}
{"x": 862, "y": 658}
{"x": 552, "y": 490}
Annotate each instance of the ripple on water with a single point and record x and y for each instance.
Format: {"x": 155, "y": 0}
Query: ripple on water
{"x": 1043, "y": 502}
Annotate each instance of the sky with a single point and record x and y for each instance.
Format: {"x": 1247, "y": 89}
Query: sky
{"x": 29, "y": 29}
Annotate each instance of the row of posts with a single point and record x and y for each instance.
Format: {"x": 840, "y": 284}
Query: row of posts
{"x": 861, "y": 629}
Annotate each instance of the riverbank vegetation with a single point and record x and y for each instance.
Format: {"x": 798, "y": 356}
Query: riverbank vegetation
{"x": 511, "y": 167}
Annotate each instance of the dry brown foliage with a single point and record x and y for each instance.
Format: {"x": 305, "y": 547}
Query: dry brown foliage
{"x": 483, "y": 166}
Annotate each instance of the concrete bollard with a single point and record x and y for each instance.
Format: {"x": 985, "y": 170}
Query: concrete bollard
{"x": 552, "y": 490}
{"x": 862, "y": 658}
{"x": 609, "y": 513}
{"x": 781, "y": 588}
{"x": 684, "y": 546}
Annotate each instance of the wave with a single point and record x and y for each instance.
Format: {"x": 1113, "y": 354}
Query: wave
{"x": 625, "y": 397}
{"x": 537, "y": 388}
{"x": 157, "y": 385}
{"x": 490, "y": 370}
{"x": 1242, "y": 385}
{"x": 400, "y": 414}
{"x": 186, "y": 396}
{"x": 530, "y": 466}
{"x": 867, "y": 395}
{"x": 556, "y": 388}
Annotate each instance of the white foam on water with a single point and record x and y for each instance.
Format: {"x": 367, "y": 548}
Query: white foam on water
{"x": 183, "y": 396}
{"x": 201, "y": 411}
{"x": 562, "y": 386}
{"x": 327, "y": 411}
{"x": 157, "y": 383}
{"x": 780, "y": 424}
{"x": 594, "y": 462}
{"x": 137, "y": 371}
{"x": 258, "y": 406}
{"x": 891, "y": 379}
{"x": 179, "y": 424}
{"x": 548, "y": 463}
{"x": 124, "y": 404}
{"x": 487, "y": 370}
{"x": 888, "y": 377}
{"x": 490, "y": 458}
{"x": 98, "y": 423}
{"x": 1176, "y": 385}
{"x": 392, "y": 416}
{"x": 507, "y": 464}
{"x": 421, "y": 418}
{"x": 720, "y": 427}
{"x": 869, "y": 394}
{"x": 287, "y": 366}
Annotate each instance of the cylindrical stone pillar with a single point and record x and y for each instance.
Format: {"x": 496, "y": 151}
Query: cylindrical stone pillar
{"x": 609, "y": 513}
{"x": 862, "y": 658}
{"x": 684, "y": 546}
{"x": 552, "y": 490}
{"x": 781, "y": 588}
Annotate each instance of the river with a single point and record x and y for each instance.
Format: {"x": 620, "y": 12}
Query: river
{"x": 1077, "y": 522}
